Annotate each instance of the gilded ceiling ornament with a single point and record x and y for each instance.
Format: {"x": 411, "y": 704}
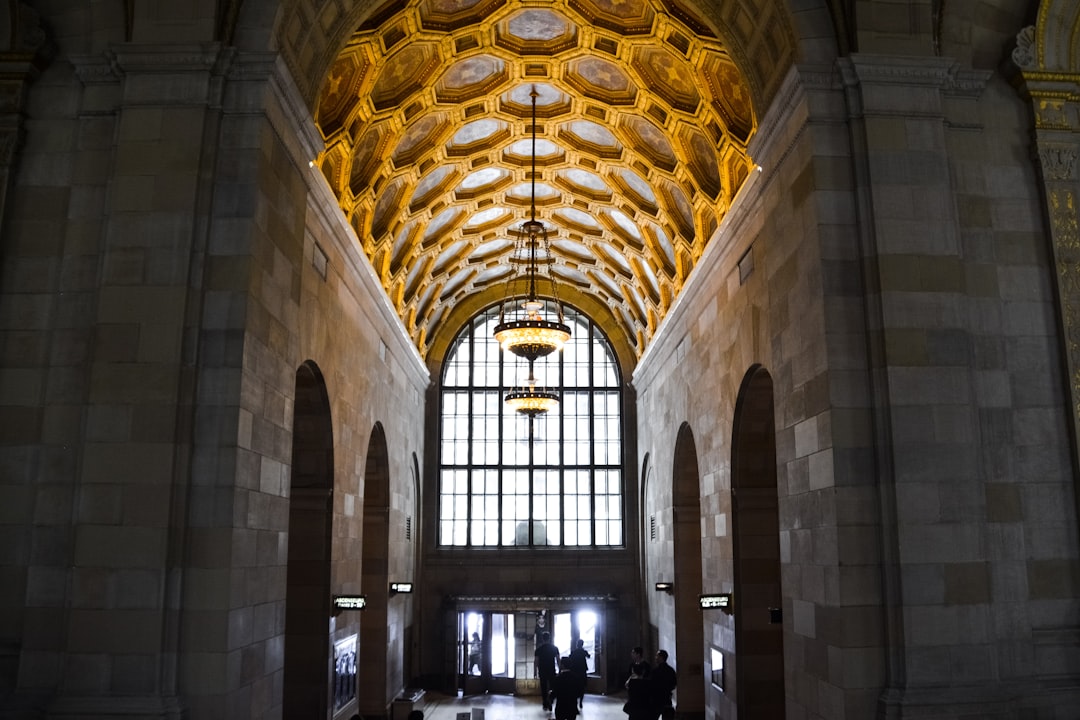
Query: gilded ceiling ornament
{"x": 645, "y": 120}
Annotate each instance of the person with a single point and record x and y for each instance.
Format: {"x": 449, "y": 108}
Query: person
{"x": 637, "y": 704}
{"x": 638, "y": 664}
{"x": 568, "y": 687}
{"x": 546, "y": 659}
{"x": 474, "y": 653}
{"x": 579, "y": 663}
{"x": 540, "y": 628}
{"x": 662, "y": 681}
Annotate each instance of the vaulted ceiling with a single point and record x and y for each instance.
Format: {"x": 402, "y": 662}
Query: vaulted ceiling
{"x": 643, "y": 119}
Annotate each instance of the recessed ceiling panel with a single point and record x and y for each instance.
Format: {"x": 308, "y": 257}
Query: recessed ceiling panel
{"x": 642, "y": 122}
{"x": 671, "y": 77}
{"x": 404, "y": 73}
{"x": 537, "y": 31}
{"x": 470, "y": 78}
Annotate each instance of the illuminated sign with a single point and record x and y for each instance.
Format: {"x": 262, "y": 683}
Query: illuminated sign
{"x": 401, "y": 587}
{"x": 665, "y": 587}
{"x": 350, "y": 602}
{"x": 721, "y": 602}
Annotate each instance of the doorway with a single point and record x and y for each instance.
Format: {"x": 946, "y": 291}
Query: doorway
{"x": 495, "y": 646}
{"x": 759, "y": 628}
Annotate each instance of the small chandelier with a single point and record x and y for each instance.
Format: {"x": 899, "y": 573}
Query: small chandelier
{"x": 523, "y": 329}
{"x": 530, "y": 401}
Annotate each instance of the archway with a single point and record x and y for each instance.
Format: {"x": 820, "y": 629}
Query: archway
{"x": 689, "y": 628}
{"x": 307, "y": 595}
{"x": 759, "y": 638}
{"x": 375, "y": 650}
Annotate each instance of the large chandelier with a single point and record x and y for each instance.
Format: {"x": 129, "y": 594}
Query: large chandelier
{"x": 523, "y": 327}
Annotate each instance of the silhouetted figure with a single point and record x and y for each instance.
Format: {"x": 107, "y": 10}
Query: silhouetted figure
{"x": 547, "y": 666}
{"x": 638, "y": 705}
{"x": 638, "y": 664}
{"x": 579, "y": 663}
{"x": 662, "y": 681}
{"x": 567, "y": 690}
{"x": 474, "y": 653}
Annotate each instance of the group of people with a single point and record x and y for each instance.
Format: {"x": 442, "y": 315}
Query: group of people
{"x": 562, "y": 679}
{"x": 649, "y": 688}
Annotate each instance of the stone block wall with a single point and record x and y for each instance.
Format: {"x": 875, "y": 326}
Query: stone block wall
{"x": 171, "y": 261}
{"x": 901, "y": 302}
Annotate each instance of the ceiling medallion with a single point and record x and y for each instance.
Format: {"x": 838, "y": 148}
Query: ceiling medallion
{"x": 525, "y": 328}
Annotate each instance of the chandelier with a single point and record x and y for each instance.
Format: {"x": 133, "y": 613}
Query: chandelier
{"x": 523, "y": 327}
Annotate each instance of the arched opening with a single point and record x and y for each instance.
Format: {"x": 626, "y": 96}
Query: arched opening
{"x": 688, "y": 655}
{"x": 307, "y": 595}
{"x": 759, "y": 637}
{"x": 375, "y": 634}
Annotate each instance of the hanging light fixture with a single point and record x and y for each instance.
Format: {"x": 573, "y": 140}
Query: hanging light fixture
{"x": 530, "y": 401}
{"x": 523, "y": 328}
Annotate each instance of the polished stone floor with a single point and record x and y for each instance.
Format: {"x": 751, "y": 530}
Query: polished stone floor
{"x": 509, "y": 707}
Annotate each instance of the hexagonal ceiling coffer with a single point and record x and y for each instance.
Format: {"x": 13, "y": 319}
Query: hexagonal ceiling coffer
{"x": 454, "y": 14}
{"x": 730, "y": 95}
{"x": 405, "y": 73}
{"x": 669, "y": 76}
{"x": 470, "y": 78}
{"x": 626, "y": 17}
{"x": 536, "y": 32}
{"x": 340, "y": 90}
{"x": 601, "y": 80}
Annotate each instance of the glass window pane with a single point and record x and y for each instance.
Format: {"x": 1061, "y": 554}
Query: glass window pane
{"x": 509, "y": 480}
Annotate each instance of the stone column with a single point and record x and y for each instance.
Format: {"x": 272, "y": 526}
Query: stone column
{"x": 118, "y": 629}
{"x": 1055, "y": 104}
{"x": 20, "y": 60}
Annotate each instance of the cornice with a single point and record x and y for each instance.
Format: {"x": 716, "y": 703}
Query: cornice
{"x": 903, "y": 70}
{"x": 130, "y": 58}
{"x": 94, "y": 69}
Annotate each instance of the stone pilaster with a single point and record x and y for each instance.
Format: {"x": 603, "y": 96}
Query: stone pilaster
{"x": 20, "y": 61}
{"x": 1055, "y": 104}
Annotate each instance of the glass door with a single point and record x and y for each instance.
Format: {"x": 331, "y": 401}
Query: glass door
{"x": 495, "y": 649}
{"x": 487, "y": 655}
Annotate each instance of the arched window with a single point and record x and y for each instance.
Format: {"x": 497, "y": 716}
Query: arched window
{"x": 557, "y": 483}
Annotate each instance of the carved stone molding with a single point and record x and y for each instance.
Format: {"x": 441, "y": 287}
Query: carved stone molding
{"x": 1058, "y": 161}
{"x": 890, "y": 70}
{"x": 1023, "y": 55}
{"x": 94, "y": 69}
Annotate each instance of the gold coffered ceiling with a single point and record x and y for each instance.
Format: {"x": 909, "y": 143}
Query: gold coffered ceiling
{"x": 643, "y": 119}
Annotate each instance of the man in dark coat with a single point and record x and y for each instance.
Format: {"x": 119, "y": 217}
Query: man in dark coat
{"x": 579, "y": 663}
{"x": 568, "y": 687}
{"x": 546, "y": 658}
{"x": 661, "y": 684}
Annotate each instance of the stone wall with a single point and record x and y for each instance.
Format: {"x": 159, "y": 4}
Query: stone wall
{"x": 172, "y": 261}
{"x": 901, "y": 302}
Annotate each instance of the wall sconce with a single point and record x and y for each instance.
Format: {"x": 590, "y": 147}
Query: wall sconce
{"x": 667, "y": 587}
{"x": 403, "y": 588}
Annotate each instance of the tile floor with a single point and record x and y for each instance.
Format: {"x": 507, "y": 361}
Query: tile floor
{"x": 509, "y": 707}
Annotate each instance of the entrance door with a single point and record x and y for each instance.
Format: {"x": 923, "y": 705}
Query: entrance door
{"x": 488, "y": 654}
{"x": 570, "y": 627}
{"x": 495, "y": 648}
